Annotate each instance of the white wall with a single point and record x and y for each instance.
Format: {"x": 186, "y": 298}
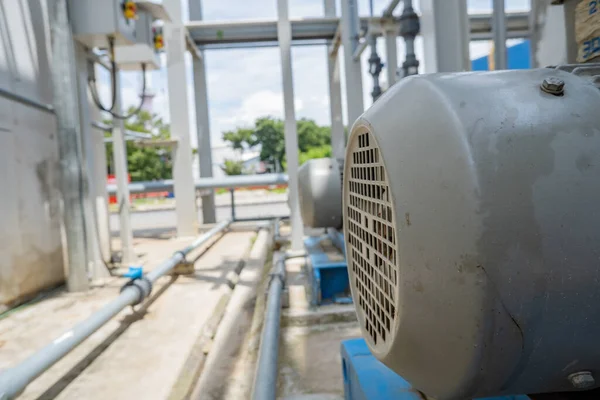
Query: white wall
{"x": 550, "y": 46}
{"x": 30, "y": 240}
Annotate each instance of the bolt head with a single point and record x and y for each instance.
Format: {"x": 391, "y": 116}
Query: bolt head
{"x": 582, "y": 380}
{"x": 553, "y": 85}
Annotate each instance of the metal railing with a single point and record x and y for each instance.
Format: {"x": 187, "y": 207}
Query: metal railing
{"x": 206, "y": 183}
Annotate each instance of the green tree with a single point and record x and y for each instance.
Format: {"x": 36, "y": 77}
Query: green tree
{"x": 145, "y": 163}
{"x": 316, "y": 152}
{"x": 240, "y": 138}
{"x": 232, "y": 167}
{"x": 268, "y": 133}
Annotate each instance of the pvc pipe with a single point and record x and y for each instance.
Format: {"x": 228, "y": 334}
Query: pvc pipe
{"x": 14, "y": 380}
{"x": 265, "y": 380}
{"x": 207, "y": 183}
{"x": 26, "y": 101}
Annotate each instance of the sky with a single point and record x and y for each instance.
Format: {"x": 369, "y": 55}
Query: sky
{"x": 244, "y": 84}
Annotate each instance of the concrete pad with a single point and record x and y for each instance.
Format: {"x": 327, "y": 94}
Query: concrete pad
{"x": 137, "y": 354}
{"x": 310, "y": 361}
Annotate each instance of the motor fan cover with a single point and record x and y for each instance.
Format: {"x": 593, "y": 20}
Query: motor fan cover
{"x": 320, "y": 193}
{"x": 472, "y": 228}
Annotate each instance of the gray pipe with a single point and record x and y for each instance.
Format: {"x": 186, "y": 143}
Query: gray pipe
{"x": 207, "y": 183}
{"x": 265, "y": 380}
{"x": 14, "y": 380}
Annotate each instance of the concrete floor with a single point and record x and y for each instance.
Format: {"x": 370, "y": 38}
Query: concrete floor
{"x": 139, "y": 354}
{"x": 310, "y": 364}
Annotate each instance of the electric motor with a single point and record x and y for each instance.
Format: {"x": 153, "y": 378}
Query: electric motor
{"x": 472, "y": 229}
{"x": 320, "y": 193}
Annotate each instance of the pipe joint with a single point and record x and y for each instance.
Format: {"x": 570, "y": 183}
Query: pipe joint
{"x": 410, "y": 66}
{"x": 142, "y": 285}
{"x": 410, "y": 26}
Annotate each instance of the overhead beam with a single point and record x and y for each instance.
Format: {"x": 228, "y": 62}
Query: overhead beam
{"x": 389, "y": 10}
{"x": 231, "y": 32}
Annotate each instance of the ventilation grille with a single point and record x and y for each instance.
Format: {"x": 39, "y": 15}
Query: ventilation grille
{"x": 371, "y": 238}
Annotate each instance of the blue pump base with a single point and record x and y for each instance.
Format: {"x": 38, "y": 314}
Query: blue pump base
{"x": 365, "y": 378}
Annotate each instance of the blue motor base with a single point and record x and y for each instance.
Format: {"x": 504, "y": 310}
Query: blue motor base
{"x": 328, "y": 270}
{"x": 365, "y": 378}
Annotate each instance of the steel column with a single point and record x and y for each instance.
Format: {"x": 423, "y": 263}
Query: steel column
{"x": 350, "y": 33}
{"x": 121, "y": 175}
{"x": 338, "y": 140}
{"x": 185, "y": 194}
{"x": 98, "y": 180}
{"x": 202, "y": 122}
{"x": 499, "y": 35}
{"x": 445, "y": 31}
{"x": 89, "y": 139}
{"x": 284, "y": 34}
{"x": 391, "y": 51}
{"x": 72, "y": 176}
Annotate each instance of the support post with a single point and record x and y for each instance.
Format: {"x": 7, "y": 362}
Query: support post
{"x": 232, "y": 196}
{"x": 445, "y": 31}
{"x": 90, "y": 139}
{"x": 122, "y": 175}
{"x": 203, "y": 122}
{"x": 99, "y": 191}
{"x": 185, "y": 193}
{"x": 391, "y": 55}
{"x": 350, "y": 32}
{"x": 284, "y": 35}
{"x": 338, "y": 139}
{"x": 499, "y": 34}
{"x": 72, "y": 173}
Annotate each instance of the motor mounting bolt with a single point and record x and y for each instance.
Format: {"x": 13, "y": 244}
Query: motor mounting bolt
{"x": 582, "y": 380}
{"x": 553, "y": 85}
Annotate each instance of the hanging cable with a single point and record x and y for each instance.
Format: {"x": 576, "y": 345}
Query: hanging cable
{"x": 94, "y": 90}
{"x": 142, "y": 97}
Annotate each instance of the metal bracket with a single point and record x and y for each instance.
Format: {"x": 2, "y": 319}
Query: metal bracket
{"x": 142, "y": 285}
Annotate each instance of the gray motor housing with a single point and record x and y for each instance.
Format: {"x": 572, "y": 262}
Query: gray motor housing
{"x": 472, "y": 229}
{"x": 320, "y": 193}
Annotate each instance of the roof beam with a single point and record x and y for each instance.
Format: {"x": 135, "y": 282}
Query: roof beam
{"x": 306, "y": 29}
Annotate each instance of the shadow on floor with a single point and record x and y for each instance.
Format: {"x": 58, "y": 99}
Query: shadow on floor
{"x": 60, "y": 385}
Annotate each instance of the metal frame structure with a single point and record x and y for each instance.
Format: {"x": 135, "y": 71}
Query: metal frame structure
{"x": 211, "y": 35}
{"x": 197, "y": 36}
{"x": 329, "y": 30}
